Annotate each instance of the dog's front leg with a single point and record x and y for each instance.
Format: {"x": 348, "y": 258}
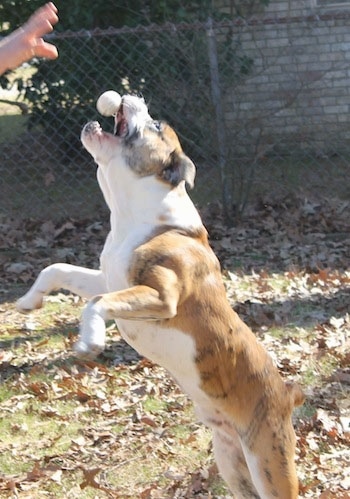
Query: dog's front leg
{"x": 141, "y": 303}
{"x": 78, "y": 280}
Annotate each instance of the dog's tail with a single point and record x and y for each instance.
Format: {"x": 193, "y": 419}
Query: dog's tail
{"x": 296, "y": 393}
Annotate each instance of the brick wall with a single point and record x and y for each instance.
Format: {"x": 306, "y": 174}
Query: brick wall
{"x": 299, "y": 89}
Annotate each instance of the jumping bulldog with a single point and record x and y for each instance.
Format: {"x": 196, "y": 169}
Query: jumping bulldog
{"x": 161, "y": 282}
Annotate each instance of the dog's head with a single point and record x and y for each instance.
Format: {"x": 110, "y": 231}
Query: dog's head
{"x": 139, "y": 143}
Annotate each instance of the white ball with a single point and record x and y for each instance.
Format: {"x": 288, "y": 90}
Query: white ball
{"x": 108, "y": 103}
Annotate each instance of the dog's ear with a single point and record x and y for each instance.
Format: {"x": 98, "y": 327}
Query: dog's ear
{"x": 180, "y": 168}
{"x": 187, "y": 171}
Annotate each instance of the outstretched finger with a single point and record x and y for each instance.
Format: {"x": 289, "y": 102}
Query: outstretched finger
{"x": 44, "y": 49}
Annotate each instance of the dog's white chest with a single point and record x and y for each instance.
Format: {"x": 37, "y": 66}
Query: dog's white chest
{"x": 170, "y": 348}
{"x": 116, "y": 255}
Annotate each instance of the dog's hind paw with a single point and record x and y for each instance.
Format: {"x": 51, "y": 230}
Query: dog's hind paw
{"x": 87, "y": 351}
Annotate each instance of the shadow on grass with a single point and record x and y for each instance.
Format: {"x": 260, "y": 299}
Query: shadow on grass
{"x": 304, "y": 312}
{"x": 117, "y": 351}
{"x": 299, "y": 312}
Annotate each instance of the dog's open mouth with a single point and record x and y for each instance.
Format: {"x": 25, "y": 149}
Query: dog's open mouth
{"x": 121, "y": 128}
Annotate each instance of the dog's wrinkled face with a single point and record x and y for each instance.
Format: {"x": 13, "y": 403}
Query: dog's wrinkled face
{"x": 145, "y": 146}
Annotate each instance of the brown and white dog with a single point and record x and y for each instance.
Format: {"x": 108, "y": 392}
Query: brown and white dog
{"x": 161, "y": 282}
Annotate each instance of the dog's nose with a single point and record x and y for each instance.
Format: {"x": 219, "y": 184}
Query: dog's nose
{"x": 92, "y": 127}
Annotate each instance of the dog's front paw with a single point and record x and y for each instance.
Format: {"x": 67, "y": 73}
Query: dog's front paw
{"x": 92, "y": 337}
{"x": 29, "y": 302}
{"x": 87, "y": 350}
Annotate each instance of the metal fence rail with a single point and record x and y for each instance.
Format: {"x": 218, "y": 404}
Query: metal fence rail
{"x": 254, "y": 107}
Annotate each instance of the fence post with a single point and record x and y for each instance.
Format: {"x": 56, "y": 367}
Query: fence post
{"x": 226, "y": 187}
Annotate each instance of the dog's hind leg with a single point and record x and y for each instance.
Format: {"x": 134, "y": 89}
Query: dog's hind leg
{"x": 78, "y": 280}
{"x": 270, "y": 457}
{"x": 232, "y": 465}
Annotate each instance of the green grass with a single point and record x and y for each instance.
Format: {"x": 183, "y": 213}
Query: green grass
{"x": 43, "y": 436}
{"x": 154, "y": 405}
{"x": 54, "y": 412}
{"x": 129, "y": 422}
{"x": 11, "y": 127}
{"x": 315, "y": 371}
{"x": 12, "y": 121}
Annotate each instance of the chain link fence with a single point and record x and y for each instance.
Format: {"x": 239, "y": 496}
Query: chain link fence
{"x": 261, "y": 106}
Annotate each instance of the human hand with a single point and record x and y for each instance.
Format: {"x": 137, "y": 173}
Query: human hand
{"x": 27, "y": 42}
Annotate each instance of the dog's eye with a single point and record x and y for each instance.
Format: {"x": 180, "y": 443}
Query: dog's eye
{"x": 157, "y": 125}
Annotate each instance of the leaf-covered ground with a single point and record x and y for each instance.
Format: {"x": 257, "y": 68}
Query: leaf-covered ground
{"x": 120, "y": 427}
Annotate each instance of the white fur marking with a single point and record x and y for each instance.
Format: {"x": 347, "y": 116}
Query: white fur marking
{"x": 254, "y": 469}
